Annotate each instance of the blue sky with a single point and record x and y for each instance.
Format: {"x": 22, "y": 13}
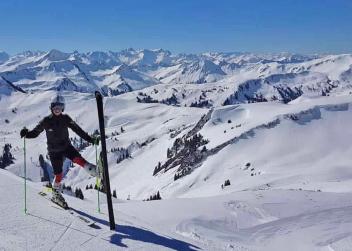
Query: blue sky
{"x": 191, "y": 26}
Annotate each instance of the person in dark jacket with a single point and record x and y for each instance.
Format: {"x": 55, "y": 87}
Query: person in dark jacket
{"x": 58, "y": 143}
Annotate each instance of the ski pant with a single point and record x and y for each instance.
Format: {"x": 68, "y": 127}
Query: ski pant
{"x": 57, "y": 160}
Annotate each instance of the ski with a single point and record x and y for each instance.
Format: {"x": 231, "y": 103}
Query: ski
{"x": 106, "y": 179}
{"x": 55, "y": 205}
{"x": 53, "y": 201}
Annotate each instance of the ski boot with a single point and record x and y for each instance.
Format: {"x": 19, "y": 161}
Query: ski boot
{"x": 93, "y": 170}
{"x": 58, "y": 199}
{"x": 96, "y": 171}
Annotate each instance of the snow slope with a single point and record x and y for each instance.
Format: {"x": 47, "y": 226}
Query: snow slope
{"x": 316, "y": 157}
{"x": 249, "y": 220}
{"x": 46, "y": 227}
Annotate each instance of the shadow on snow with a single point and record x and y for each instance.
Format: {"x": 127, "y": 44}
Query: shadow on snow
{"x": 139, "y": 234}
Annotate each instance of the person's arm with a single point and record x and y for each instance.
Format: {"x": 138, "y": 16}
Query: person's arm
{"x": 78, "y": 130}
{"x": 36, "y": 131}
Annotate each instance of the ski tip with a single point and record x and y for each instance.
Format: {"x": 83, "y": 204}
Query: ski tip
{"x": 98, "y": 94}
{"x": 42, "y": 193}
{"x": 93, "y": 225}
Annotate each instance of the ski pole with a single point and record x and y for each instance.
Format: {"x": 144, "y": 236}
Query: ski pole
{"x": 25, "y": 175}
{"x": 97, "y": 182}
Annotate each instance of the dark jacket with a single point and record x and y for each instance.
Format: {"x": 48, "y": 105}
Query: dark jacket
{"x": 56, "y": 128}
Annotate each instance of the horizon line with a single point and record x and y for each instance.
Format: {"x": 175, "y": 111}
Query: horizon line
{"x": 172, "y": 53}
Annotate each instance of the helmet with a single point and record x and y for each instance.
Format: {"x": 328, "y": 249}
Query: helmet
{"x": 57, "y": 100}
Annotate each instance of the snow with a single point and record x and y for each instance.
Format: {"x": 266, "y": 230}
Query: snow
{"x": 49, "y": 228}
{"x": 289, "y": 164}
{"x": 248, "y": 220}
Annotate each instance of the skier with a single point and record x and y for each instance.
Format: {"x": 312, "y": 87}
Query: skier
{"x": 58, "y": 143}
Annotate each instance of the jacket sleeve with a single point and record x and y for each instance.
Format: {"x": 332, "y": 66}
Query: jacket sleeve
{"x": 78, "y": 130}
{"x": 37, "y": 130}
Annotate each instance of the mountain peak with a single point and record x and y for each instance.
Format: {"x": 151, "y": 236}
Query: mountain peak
{"x": 56, "y": 55}
{"x": 4, "y": 57}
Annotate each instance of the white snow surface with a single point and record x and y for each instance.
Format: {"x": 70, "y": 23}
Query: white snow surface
{"x": 289, "y": 164}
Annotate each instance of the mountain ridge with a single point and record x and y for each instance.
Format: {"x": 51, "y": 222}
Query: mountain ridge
{"x": 33, "y": 71}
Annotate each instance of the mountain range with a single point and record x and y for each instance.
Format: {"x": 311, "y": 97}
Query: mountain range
{"x": 243, "y": 77}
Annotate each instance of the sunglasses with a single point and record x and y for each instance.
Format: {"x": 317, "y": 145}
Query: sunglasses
{"x": 57, "y": 106}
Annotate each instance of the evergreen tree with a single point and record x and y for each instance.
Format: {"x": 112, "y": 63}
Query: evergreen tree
{"x": 7, "y": 158}
{"x": 169, "y": 154}
{"x": 81, "y": 196}
{"x": 227, "y": 102}
{"x": 155, "y": 170}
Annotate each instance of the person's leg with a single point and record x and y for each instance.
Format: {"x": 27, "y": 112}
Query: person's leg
{"x": 57, "y": 160}
{"x": 72, "y": 154}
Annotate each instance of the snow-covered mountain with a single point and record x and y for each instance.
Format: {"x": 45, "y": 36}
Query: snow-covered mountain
{"x": 247, "y": 77}
{"x": 259, "y": 144}
{"x": 3, "y": 57}
{"x": 7, "y": 88}
{"x": 121, "y": 79}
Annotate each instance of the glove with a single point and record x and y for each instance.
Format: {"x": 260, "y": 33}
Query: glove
{"x": 23, "y": 132}
{"x": 95, "y": 139}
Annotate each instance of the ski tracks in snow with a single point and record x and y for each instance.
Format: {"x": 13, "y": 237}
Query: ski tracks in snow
{"x": 60, "y": 237}
{"x": 315, "y": 230}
